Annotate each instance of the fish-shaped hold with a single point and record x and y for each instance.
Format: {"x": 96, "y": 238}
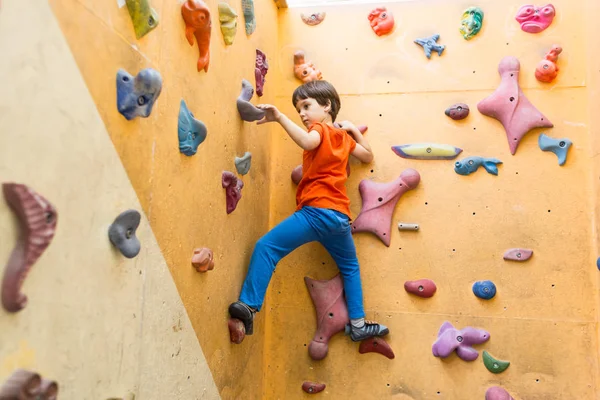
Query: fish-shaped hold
{"x": 427, "y": 151}
{"x": 469, "y": 165}
{"x": 196, "y": 16}
{"x": 190, "y": 131}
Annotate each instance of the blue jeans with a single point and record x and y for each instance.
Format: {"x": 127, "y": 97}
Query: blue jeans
{"x": 328, "y": 227}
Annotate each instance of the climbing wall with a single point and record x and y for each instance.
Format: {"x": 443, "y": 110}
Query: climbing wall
{"x": 100, "y": 325}
{"x": 544, "y": 317}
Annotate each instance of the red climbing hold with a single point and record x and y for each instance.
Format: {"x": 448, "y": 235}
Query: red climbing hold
{"x": 332, "y": 314}
{"x": 237, "y": 331}
{"x": 379, "y": 201}
{"x": 313, "y": 387}
{"x": 376, "y": 345}
{"x": 422, "y": 287}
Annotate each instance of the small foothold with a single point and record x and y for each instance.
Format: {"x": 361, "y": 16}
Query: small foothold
{"x": 560, "y": 147}
{"x": 535, "y": 19}
{"x": 313, "y": 387}
{"x": 196, "y": 16}
{"x": 429, "y": 44}
{"x": 122, "y": 233}
{"x": 248, "y": 111}
{"x": 547, "y": 70}
{"x": 510, "y": 107}
{"x": 381, "y": 21}
{"x": 237, "y": 330}
{"x": 451, "y": 339}
{"x": 423, "y": 287}
{"x": 518, "y": 254}
{"x": 493, "y": 365}
{"x": 233, "y": 190}
{"x": 242, "y": 164}
{"x": 228, "y": 20}
{"x": 457, "y": 111}
{"x": 598, "y": 263}
{"x": 191, "y": 132}
{"x": 250, "y": 21}
{"x": 427, "y": 151}
{"x": 484, "y": 289}
{"x": 376, "y": 345}
{"x": 297, "y": 174}
{"x": 331, "y": 311}
{"x": 468, "y": 165}
{"x": 407, "y": 227}
{"x": 203, "y": 259}
{"x": 136, "y": 95}
{"x": 313, "y": 19}
{"x": 143, "y": 16}
{"x": 37, "y": 224}
{"x": 260, "y": 71}
{"x": 305, "y": 70}
{"x": 25, "y": 385}
{"x": 471, "y": 22}
{"x": 497, "y": 393}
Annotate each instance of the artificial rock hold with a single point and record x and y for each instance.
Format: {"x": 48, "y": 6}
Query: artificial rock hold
{"x": 547, "y": 69}
{"x": 37, "y": 222}
{"x": 191, "y": 132}
{"x": 228, "y": 20}
{"x": 560, "y": 147}
{"x": 471, "y": 22}
{"x": 379, "y": 201}
{"x": 143, "y": 16}
{"x": 28, "y": 385}
{"x": 122, "y": 233}
{"x": 535, "y": 19}
{"x": 427, "y": 151}
{"x": 402, "y": 226}
{"x": 429, "y": 44}
{"x": 509, "y": 105}
{"x": 196, "y": 16}
{"x": 260, "y": 71}
{"x": 233, "y": 190}
{"x": 423, "y": 287}
{"x": 494, "y": 365}
{"x": 485, "y": 290}
{"x": 497, "y": 393}
{"x": 468, "y": 165}
{"x": 237, "y": 330}
{"x": 518, "y": 254}
{"x": 376, "y": 345}
{"x": 305, "y": 70}
{"x": 313, "y": 19}
{"x": 250, "y": 21}
{"x": 457, "y": 111}
{"x": 451, "y": 339}
{"x": 313, "y": 387}
{"x": 136, "y": 96}
{"x": 242, "y": 164}
{"x": 203, "y": 260}
{"x": 332, "y": 313}
{"x": 381, "y": 21}
{"x": 248, "y": 111}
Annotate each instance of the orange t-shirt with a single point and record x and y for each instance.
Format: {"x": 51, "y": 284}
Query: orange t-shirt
{"x": 324, "y": 174}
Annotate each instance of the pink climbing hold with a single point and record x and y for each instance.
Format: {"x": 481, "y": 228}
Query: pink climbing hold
{"x": 233, "y": 190}
{"x": 509, "y": 105}
{"x": 331, "y": 310}
{"x": 497, "y": 393}
{"x": 518, "y": 254}
{"x": 451, "y": 339}
{"x": 379, "y": 201}
{"x": 376, "y": 345}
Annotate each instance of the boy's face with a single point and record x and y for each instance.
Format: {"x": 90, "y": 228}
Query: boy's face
{"x": 311, "y": 111}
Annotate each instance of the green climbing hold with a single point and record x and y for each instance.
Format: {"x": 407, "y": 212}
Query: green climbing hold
{"x": 471, "y": 22}
{"x": 143, "y": 16}
{"x": 493, "y": 365}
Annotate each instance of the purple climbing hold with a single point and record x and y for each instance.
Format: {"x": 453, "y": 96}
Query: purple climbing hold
{"x": 451, "y": 339}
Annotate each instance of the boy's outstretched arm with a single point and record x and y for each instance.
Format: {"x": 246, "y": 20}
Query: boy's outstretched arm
{"x": 306, "y": 140}
{"x": 362, "y": 151}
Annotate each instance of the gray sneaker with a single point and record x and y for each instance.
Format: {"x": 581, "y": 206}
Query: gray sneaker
{"x": 369, "y": 330}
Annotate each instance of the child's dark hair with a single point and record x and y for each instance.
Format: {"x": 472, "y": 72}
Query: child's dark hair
{"x": 322, "y": 92}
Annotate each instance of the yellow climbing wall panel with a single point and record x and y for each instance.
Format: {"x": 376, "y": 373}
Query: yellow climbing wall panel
{"x": 544, "y": 318}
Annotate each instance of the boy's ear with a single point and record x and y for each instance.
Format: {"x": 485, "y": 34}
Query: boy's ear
{"x": 328, "y": 106}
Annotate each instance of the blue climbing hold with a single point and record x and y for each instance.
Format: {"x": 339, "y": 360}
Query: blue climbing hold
{"x": 191, "y": 132}
{"x": 469, "y": 165}
{"x": 560, "y": 147}
{"x": 484, "y": 289}
{"x": 136, "y": 95}
{"x": 598, "y": 263}
{"x": 429, "y": 44}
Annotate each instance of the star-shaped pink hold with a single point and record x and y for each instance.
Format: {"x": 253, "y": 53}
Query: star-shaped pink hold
{"x": 509, "y": 105}
{"x": 379, "y": 201}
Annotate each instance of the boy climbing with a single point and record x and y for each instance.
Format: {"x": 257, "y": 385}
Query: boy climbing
{"x": 323, "y": 208}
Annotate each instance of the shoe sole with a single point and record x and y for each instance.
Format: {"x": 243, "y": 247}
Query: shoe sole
{"x": 347, "y": 331}
{"x": 240, "y": 312}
